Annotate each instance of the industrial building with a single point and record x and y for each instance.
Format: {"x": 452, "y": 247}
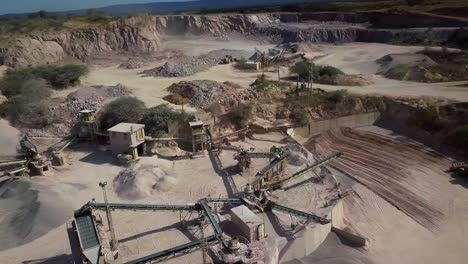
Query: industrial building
{"x": 127, "y": 138}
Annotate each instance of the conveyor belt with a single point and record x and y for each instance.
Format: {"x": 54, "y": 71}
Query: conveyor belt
{"x": 315, "y": 165}
{"x": 185, "y": 248}
{"x": 148, "y": 207}
{"x": 224, "y": 200}
{"x": 288, "y": 210}
{"x": 211, "y": 218}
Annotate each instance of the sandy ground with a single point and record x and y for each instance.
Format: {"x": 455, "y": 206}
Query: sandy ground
{"x": 359, "y": 58}
{"x": 35, "y": 210}
{"x": 410, "y": 210}
{"x": 354, "y": 58}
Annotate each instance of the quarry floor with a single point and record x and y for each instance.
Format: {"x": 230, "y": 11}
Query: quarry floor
{"x": 351, "y": 58}
{"x": 409, "y": 209}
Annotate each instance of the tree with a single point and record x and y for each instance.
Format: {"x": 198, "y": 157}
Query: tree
{"x": 30, "y": 107}
{"x": 124, "y": 109}
{"x": 303, "y": 69}
{"x": 156, "y": 119}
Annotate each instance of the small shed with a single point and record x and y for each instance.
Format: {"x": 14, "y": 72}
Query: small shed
{"x": 249, "y": 224}
{"x": 127, "y": 138}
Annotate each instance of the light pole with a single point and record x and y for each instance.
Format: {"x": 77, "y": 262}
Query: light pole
{"x": 109, "y": 216}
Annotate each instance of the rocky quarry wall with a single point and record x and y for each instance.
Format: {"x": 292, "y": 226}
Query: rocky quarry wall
{"x": 142, "y": 34}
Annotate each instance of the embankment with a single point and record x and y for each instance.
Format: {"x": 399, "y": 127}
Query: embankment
{"x": 142, "y": 33}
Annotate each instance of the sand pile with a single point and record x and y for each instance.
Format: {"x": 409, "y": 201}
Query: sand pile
{"x": 298, "y": 156}
{"x": 142, "y": 180}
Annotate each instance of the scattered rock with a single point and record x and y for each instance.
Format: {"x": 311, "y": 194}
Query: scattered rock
{"x": 203, "y": 93}
{"x": 186, "y": 66}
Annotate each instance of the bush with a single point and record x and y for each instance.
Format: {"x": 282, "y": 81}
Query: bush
{"x": 30, "y": 108}
{"x": 326, "y": 71}
{"x": 427, "y": 119}
{"x": 303, "y": 69}
{"x": 124, "y": 109}
{"x": 459, "y": 138}
{"x": 61, "y": 76}
{"x": 156, "y": 119}
{"x": 57, "y": 76}
{"x": 240, "y": 115}
{"x": 336, "y": 97}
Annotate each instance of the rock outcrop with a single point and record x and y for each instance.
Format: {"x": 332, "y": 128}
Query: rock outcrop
{"x": 133, "y": 35}
{"x": 142, "y": 34}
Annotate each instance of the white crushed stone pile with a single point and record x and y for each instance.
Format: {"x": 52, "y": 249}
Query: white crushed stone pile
{"x": 182, "y": 66}
{"x": 203, "y": 93}
{"x": 142, "y": 180}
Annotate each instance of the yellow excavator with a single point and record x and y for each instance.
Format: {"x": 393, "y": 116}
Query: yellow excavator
{"x": 459, "y": 168}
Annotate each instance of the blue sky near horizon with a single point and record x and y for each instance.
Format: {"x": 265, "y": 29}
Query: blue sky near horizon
{"x": 27, "y": 6}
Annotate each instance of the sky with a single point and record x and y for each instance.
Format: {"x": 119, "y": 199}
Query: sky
{"x": 26, "y": 6}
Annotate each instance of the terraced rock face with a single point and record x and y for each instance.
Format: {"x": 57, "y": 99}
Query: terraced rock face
{"x": 142, "y": 34}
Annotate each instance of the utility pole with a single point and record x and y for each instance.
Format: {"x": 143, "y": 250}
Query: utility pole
{"x": 109, "y": 216}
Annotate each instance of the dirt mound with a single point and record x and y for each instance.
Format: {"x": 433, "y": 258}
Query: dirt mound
{"x": 140, "y": 181}
{"x": 187, "y": 65}
{"x": 203, "y": 93}
{"x": 426, "y": 66}
{"x": 65, "y": 114}
{"x": 405, "y": 175}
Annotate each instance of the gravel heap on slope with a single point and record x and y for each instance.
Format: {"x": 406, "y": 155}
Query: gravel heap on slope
{"x": 65, "y": 114}
{"x": 203, "y": 93}
{"x": 182, "y": 66}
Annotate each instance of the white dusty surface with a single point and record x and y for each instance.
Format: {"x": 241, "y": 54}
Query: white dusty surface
{"x": 395, "y": 236}
{"x": 359, "y": 58}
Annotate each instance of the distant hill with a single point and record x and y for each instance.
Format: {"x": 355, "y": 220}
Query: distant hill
{"x": 167, "y": 7}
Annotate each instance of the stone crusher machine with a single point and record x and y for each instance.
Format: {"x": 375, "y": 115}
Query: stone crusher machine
{"x": 244, "y": 156}
{"x": 459, "y": 169}
{"x": 84, "y": 229}
{"x": 258, "y": 192}
{"x": 28, "y": 161}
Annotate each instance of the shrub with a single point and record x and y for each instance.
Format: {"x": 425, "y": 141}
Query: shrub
{"x": 459, "y": 138}
{"x": 327, "y": 71}
{"x": 61, "y": 76}
{"x": 57, "y": 76}
{"x": 303, "y": 69}
{"x": 335, "y": 97}
{"x": 30, "y": 107}
{"x": 156, "y": 119}
{"x": 427, "y": 119}
{"x": 240, "y": 115}
{"x": 124, "y": 109}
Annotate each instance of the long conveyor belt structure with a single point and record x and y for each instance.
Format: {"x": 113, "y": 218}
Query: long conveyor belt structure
{"x": 147, "y": 207}
{"x": 322, "y": 220}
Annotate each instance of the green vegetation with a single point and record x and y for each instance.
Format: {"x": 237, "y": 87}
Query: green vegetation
{"x": 28, "y": 92}
{"x": 156, "y": 119}
{"x": 133, "y": 110}
{"x": 56, "y": 76}
{"x": 124, "y": 109}
{"x": 459, "y": 138}
{"x": 240, "y": 115}
{"x": 428, "y": 119}
{"x": 29, "y": 108}
{"x": 445, "y": 7}
{"x": 264, "y": 84}
{"x": 318, "y": 73}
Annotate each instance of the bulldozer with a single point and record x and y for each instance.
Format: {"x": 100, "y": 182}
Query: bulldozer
{"x": 459, "y": 168}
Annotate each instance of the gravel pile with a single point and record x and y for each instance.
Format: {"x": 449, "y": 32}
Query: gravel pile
{"x": 186, "y": 66}
{"x": 65, "y": 114}
{"x": 203, "y": 93}
{"x": 133, "y": 63}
